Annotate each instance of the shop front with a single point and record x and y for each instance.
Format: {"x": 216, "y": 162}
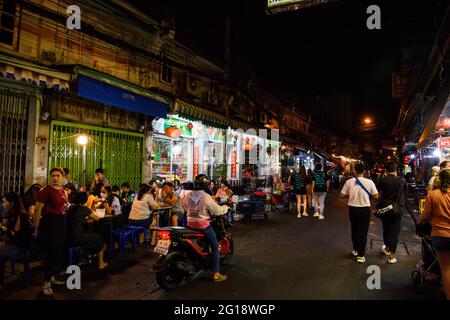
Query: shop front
{"x": 113, "y": 115}
{"x": 172, "y": 148}
{"x": 182, "y": 149}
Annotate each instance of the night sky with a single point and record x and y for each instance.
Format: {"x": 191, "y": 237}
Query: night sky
{"x": 313, "y": 52}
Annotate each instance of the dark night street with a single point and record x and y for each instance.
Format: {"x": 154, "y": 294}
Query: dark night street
{"x": 156, "y": 151}
{"x": 282, "y": 258}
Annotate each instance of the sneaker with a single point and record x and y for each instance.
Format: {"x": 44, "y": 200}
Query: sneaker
{"x": 299, "y": 215}
{"x": 354, "y": 253}
{"x": 321, "y": 217}
{"x": 385, "y": 251}
{"x": 57, "y": 282}
{"x": 392, "y": 260}
{"x": 360, "y": 259}
{"x": 316, "y": 214}
{"x": 305, "y": 214}
{"x": 47, "y": 289}
{"x": 218, "y": 277}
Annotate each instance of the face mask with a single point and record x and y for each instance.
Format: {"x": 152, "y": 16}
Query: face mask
{"x": 103, "y": 195}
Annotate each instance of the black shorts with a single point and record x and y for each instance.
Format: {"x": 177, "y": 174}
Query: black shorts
{"x": 440, "y": 243}
{"x": 301, "y": 191}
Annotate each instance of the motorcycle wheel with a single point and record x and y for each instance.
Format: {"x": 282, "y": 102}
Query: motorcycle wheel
{"x": 169, "y": 277}
{"x": 226, "y": 259}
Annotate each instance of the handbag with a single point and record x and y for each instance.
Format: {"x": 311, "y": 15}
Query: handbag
{"x": 388, "y": 208}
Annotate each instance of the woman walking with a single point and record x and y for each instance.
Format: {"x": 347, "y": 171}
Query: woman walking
{"x": 437, "y": 209}
{"x": 299, "y": 184}
{"x": 50, "y": 227}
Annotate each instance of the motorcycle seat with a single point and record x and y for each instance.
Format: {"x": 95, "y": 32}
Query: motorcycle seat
{"x": 182, "y": 230}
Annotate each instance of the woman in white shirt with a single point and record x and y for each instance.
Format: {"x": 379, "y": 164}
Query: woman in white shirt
{"x": 141, "y": 210}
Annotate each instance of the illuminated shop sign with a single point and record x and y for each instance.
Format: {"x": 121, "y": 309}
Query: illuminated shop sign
{"x": 276, "y": 6}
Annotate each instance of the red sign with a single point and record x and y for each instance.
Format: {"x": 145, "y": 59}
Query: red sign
{"x": 399, "y": 84}
{"x": 233, "y": 165}
{"x": 195, "y": 161}
{"x": 444, "y": 143}
{"x": 443, "y": 123}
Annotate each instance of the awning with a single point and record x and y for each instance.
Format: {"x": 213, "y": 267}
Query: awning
{"x": 196, "y": 113}
{"x": 107, "y": 93}
{"x": 433, "y": 114}
{"x": 32, "y": 73}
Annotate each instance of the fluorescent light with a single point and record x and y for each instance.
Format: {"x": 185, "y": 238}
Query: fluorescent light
{"x": 437, "y": 153}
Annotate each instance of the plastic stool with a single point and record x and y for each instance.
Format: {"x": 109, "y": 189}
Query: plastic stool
{"x": 124, "y": 236}
{"x": 72, "y": 253}
{"x": 73, "y": 258}
{"x": 135, "y": 230}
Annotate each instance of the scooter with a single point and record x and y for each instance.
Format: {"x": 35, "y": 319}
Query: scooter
{"x": 185, "y": 253}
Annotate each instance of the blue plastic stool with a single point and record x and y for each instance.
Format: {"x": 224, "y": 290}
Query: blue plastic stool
{"x": 124, "y": 236}
{"x": 135, "y": 230}
{"x": 25, "y": 259}
{"x": 72, "y": 254}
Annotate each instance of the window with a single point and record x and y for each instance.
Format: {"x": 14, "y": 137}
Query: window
{"x": 7, "y": 21}
{"x": 166, "y": 72}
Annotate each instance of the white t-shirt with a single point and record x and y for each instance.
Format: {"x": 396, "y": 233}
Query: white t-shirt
{"x": 141, "y": 209}
{"x": 357, "y": 196}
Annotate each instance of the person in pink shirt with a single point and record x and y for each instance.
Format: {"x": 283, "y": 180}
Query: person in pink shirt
{"x": 199, "y": 206}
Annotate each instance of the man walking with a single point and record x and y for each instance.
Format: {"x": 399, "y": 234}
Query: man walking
{"x": 359, "y": 190}
{"x": 320, "y": 186}
{"x": 392, "y": 188}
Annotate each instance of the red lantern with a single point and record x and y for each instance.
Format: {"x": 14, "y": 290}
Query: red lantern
{"x": 189, "y": 126}
{"x": 173, "y": 132}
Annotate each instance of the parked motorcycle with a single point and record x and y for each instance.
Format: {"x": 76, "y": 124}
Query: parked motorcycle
{"x": 185, "y": 253}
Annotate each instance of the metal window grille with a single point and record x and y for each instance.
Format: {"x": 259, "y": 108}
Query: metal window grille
{"x": 13, "y": 140}
{"x": 119, "y": 153}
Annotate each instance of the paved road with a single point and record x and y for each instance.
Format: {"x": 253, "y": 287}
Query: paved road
{"x": 282, "y": 258}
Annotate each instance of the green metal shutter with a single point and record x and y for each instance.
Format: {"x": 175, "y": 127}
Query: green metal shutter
{"x": 13, "y": 140}
{"x": 119, "y": 153}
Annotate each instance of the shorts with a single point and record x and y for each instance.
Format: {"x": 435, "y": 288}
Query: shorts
{"x": 177, "y": 213}
{"x": 140, "y": 223}
{"x": 440, "y": 243}
{"x": 301, "y": 191}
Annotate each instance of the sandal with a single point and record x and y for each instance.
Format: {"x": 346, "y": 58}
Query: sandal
{"x": 47, "y": 289}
